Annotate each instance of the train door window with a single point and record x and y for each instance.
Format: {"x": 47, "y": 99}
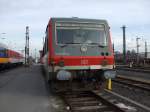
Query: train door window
{"x": 44, "y": 49}
{"x": 46, "y": 41}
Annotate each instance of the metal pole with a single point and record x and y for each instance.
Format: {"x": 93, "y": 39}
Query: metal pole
{"x": 124, "y": 43}
{"x": 145, "y": 49}
{"x": 113, "y": 48}
{"x": 25, "y": 55}
{"x": 27, "y": 47}
{"x": 137, "y": 44}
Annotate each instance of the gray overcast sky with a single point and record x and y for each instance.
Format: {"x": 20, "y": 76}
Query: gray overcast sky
{"x": 15, "y": 15}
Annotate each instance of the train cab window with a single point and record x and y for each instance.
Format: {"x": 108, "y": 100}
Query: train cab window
{"x": 64, "y": 36}
{"x": 45, "y": 49}
{"x": 81, "y": 34}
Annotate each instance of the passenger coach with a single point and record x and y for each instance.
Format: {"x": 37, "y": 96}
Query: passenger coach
{"x": 9, "y": 58}
{"x": 77, "y": 48}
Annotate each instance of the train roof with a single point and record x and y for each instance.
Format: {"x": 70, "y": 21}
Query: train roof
{"x": 75, "y": 19}
{"x": 5, "y": 47}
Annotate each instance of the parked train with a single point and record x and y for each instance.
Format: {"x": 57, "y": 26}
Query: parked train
{"x": 9, "y": 58}
{"x": 79, "y": 49}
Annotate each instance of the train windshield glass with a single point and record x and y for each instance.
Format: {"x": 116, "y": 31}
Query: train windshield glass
{"x": 91, "y": 34}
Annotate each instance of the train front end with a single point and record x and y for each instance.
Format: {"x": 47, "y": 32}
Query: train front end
{"x": 80, "y": 49}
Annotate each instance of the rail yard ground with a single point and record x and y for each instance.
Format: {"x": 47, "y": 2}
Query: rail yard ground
{"x": 135, "y": 74}
{"x": 137, "y": 92}
{"x": 24, "y": 90}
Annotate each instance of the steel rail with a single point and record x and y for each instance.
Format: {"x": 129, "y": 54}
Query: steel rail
{"x": 129, "y": 100}
{"x": 135, "y": 70}
{"x": 133, "y": 83}
{"x": 88, "y": 101}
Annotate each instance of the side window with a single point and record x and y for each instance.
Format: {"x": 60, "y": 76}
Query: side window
{"x": 45, "y": 46}
{"x": 47, "y": 43}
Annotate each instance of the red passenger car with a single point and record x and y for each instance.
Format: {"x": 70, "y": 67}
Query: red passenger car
{"x": 9, "y": 58}
{"x": 78, "y": 49}
{"x": 15, "y": 57}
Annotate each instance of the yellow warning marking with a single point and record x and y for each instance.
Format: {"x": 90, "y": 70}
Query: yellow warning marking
{"x": 4, "y": 60}
{"x": 109, "y": 84}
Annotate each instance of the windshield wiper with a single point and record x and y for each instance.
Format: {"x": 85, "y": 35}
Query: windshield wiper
{"x": 63, "y": 45}
{"x": 72, "y": 43}
{"x": 67, "y": 43}
{"x": 99, "y": 45}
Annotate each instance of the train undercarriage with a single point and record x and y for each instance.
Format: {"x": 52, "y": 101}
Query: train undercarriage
{"x": 79, "y": 79}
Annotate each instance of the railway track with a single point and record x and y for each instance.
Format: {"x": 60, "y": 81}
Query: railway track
{"x": 143, "y": 85}
{"x": 135, "y": 69}
{"x": 125, "y": 102}
{"x": 88, "y": 101}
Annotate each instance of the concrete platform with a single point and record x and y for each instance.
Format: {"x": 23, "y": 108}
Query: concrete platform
{"x": 24, "y": 90}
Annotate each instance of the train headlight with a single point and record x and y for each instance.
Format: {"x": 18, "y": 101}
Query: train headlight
{"x": 63, "y": 75}
{"x": 110, "y": 74}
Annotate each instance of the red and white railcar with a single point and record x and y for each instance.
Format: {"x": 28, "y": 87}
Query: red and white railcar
{"x": 10, "y": 58}
{"x": 77, "y": 48}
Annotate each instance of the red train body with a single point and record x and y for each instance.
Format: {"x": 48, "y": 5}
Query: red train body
{"x": 15, "y": 57}
{"x": 77, "y": 48}
{"x": 10, "y": 58}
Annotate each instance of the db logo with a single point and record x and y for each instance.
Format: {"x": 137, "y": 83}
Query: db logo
{"x": 84, "y": 62}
